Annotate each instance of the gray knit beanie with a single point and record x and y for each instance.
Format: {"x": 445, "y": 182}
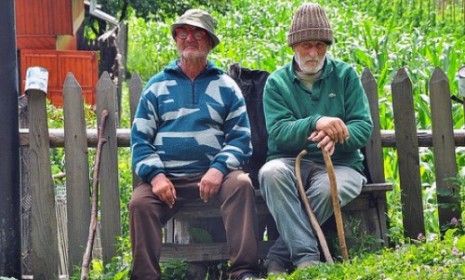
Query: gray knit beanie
{"x": 310, "y": 24}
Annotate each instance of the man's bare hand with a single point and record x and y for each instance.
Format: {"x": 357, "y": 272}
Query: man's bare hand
{"x": 210, "y": 184}
{"x": 335, "y": 128}
{"x": 324, "y": 141}
{"x": 164, "y": 189}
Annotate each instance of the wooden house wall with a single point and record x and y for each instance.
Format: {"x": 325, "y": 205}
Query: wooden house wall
{"x": 39, "y": 22}
{"x": 83, "y": 64}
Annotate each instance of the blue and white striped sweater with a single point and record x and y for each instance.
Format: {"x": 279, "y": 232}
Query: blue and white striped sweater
{"x": 183, "y": 127}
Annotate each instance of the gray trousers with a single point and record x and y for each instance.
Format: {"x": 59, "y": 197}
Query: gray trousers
{"x": 297, "y": 243}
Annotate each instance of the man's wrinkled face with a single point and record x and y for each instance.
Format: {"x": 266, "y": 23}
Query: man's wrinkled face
{"x": 192, "y": 42}
{"x": 310, "y": 56}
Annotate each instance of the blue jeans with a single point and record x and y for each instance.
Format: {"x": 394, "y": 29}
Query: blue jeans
{"x": 297, "y": 242}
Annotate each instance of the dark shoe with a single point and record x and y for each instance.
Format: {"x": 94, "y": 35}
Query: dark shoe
{"x": 250, "y": 276}
{"x": 274, "y": 267}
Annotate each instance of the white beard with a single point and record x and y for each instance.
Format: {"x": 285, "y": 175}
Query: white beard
{"x": 306, "y": 67}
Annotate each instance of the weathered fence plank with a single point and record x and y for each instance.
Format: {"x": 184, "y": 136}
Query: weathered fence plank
{"x": 108, "y": 177}
{"x": 202, "y": 252}
{"x": 77, "y": 171}
{"x": 135, "y": 89}
{"x": 407, "y": 153}
{"x": 43, "y": 221}
{"x": 374, "y": 159}
{"x": 445, "y": 165}
{"x": 25, "y": 194}
{"x": 121, "y": 45}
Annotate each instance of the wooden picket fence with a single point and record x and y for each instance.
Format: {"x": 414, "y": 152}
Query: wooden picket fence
{"x": 41, "y": 256}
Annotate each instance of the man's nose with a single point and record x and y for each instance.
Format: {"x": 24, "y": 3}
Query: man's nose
{"x": 190, "y": 36}
{"x": 313, "y": 51}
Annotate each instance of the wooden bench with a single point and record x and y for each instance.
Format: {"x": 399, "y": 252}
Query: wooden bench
{"x": 365, "y": 216}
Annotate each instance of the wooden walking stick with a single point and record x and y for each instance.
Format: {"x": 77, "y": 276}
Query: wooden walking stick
{"x": 336, "y": 205}
{"x": 93, "y": 216}
{"x": 311, "y": 216}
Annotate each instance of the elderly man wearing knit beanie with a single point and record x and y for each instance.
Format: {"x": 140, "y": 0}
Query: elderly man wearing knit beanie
{"x": 315, "y": 102}
{"x": 190, "y": 139}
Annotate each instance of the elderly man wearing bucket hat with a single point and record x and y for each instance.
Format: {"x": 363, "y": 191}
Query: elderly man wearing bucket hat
{"x": 315, "y": 102}
{"x": 189, "y": 140}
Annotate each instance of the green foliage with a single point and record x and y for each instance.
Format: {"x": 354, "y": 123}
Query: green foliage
{"x": 434, "y": 259}
{"x": 358, "y": 246}
{"x": 200, "y": 235}
{"x": 174, "y": 270}
{"x": 158, "y": 9}
{"x": 117, "y": 269}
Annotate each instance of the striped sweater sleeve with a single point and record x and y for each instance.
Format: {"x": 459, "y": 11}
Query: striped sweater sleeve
{"x": 237, "y": 147}
{"x": 146, "y": 161}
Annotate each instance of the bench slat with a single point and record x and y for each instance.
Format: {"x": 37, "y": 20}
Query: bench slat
{"x": 375, "y": 187}
{"x": 200, "y": 252}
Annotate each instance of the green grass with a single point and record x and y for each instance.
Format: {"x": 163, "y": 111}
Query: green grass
{"x": 433, "y": 259}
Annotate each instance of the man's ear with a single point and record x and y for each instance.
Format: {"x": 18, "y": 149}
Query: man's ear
{"x": 211, "y": 42}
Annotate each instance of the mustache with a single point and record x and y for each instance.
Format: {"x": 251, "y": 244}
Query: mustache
{"x": 306, "y": 60}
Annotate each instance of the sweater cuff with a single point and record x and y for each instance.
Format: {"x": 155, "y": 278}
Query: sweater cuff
{"x": 223, "y": 169}
{"x": 152, "y": 174}
{"x": 313, "y": 120}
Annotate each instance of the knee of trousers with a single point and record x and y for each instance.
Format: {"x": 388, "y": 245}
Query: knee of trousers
{"x": 275, "y": 173}
{"x": 273, "y": 170}
{"x": 239, "y": 184}
{"x": 143, "y": 206}
{"x": 321, "y": 193}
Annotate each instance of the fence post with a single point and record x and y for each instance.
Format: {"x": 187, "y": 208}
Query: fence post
{"x": 375, "y": 160}
{"x": 445, "y": 164}
{"x": 135, "y": 89}
{"x": 25, "y": 182}
{"x": 120, "y": 61}
{"x": 407, "y": 154}
{"x": 108, "y": 177}
{"x": 10, "y": 242}
{"x": 77, "y": 171}
{"x": 43, "y": 221}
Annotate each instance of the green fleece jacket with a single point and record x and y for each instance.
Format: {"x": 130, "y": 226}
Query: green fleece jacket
{"x": 291, "y": 112}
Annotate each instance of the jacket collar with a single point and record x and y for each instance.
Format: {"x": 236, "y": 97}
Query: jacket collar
{"x": 211, "y": 68}
{"x": 328, "y": 67}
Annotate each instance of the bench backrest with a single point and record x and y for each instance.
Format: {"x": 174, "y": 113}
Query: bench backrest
{"x": 252, "y": 83}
